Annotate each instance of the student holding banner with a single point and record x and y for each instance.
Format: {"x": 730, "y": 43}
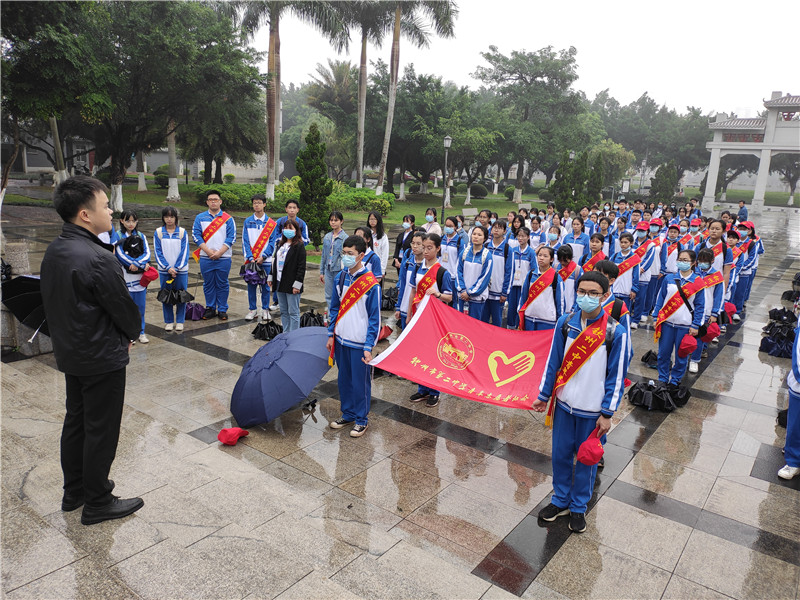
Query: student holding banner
{"x": 587, "y": 348}
{"x": 355, "y": 319}
{"x": 430, "y": 279}
{"x": 542, "y": 298}
{"x": 214, "y": 232}
{"x": 405, "y": 283}
{"x": 258, "y": 245}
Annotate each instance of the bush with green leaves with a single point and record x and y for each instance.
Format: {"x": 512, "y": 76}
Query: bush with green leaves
{"x": 360, "y": 199}
{"x": 509, "y": 192}
{"x": 461, "y": 188}
{"x": 162, "y": 180}
{"x": 352, "y": 183}
{"x": 414, "y": 188}
{"x": 527, "y": 188}
{"x": 229, "y": 178}
{"x": 236, "y": 196}
{"x": 546, "y": 195}
{"x": 163, "y": 169}
{"x": 478, "y": 190}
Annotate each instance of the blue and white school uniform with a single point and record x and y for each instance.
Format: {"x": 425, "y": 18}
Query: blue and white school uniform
{"x": 372, "y": 262}
{"x": 524, "y": 262}
{"x": 473, "y": 276}
{"x": 627, "y": 283}
{"x": 614, "y": 246}
{"x": 546, "y": 308}
{"x": 216, "y": 286}
{"x": 405, "y": 284}
{"x": 733, "y": 279}
{"x": 447, "y": 288}
{"x": 355, "y": 332}
{"x": 537, "y": 238}
{"x": 608, "y": 238}
{"x": 579, "y": 404}
{"x": 172, "y": 252}
{"x": 640, "y": 306}
{"x": 570, "y": 284}
{"x": 137, "y": 291}
{"x": 110, "y": 237}
{"x": 792, "y": 447}
{"x": 450, "y": 251}
{"x": 250, "y": 231}
{"x": 754, "y": 267}
{"x": 499, "y": 282}
{"x": 722, "y": 259}
{"x": 580, "y": 244}
{"x": 676, "y": 326}
{"x": 625, "y": 321}
{"x": 748, "y": 259}
{"x": 713, "y": 304}
{"x": 303, "y": 229}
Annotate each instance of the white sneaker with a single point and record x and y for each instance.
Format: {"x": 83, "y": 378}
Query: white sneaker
{"x": 143, "y": 339}
{"x": 251, "y": 315}
{"x": 643, "y": 320}
{"x": 634, "y": 326}
{"x": 788, "y": 472}
{"x": 169, "y": 326}
{"x": 265, "y": 316}
{"x": 736, "y": 318}
{"x": 694, "y": 366}
{"x": 179, "y": 327}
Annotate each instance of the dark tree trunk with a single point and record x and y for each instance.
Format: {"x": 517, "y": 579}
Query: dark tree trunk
{"x": 218, "y": 171}
{"x": 208, "y": 160}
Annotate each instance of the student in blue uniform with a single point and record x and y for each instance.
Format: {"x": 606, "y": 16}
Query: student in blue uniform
{"x": 545, "y": 309}
{"x": 712, "y": 297}
{"x": 569, "y": 271}
{"x": 133, "y": 254}
{"x": 683, "y": 321}
{"x": 474, "y": 273}
{"x": 405, "y": 282}
{"x": 171, "y": 246}
{"x": 441, "y": 293}
{"x": 538, "y": 234}
{"x": 292, "y": 208}
{"x": 640, "y": 306}
{"x": 627, "y": 284}
{"x": 215, "y": 256}
{"x": 670, "y": 249}
{"x": 791, "y": 449}
{"x": 352, "y": 338}
{"x": 611, "y": 271}
{"x": 330, "y": 264}
{"x": 500, "y": 282}
{"x": 524, "y": 260}
{"x": 251, "y": 230}
{"x": 451, "y": 247}
{"x": 577, "y": 239}
{"x": 370, "y": 259}
{"x": 582, "y": 404}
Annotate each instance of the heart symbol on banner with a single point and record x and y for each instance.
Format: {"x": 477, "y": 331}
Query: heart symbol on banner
{"x": 510, "y": 368}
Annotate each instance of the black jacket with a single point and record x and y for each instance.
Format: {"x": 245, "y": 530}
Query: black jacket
{"x": 294, "y": 269}
{"x": 401, "y": 245}
{"x": 89, "y": 311}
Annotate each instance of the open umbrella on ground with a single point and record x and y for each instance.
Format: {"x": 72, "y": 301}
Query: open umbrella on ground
{"x": 280, "y": 375}
{"x": 23, "y": 297}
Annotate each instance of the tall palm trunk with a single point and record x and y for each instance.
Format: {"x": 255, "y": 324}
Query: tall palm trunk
{"x": 362, "y": 108}
{"x": 11, "y": 159}
{"x": 140, "y": 172}
{"x": 61, "y": 169}
{"x": 278, "y": 108}
{"x": 272, "y": 117}
{"x": 173, "y": 195}
{"x": 393, "y": 73}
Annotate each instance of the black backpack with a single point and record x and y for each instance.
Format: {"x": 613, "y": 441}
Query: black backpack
{"x": 613, "y": 320}
{"x": 389, "y": 300}
{"x": 311, "y": 319}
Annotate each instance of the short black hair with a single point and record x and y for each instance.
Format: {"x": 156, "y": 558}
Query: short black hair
{"x": 594, "y": 277}
{"x": 261, "y": 197}
{"x": 481, "y": 228}
{"x": 500, "y": 223}
{"x": 76, "y": 193}
{"x": 357, "y": 242}
{"x": 598, "y": 236}
{"x": 607, "y": 268}
{"x": 564, "y": 252}
{"x": 169, "y": 211}
{"x": 335, "y": 214}
{"x": 435, "y": 238}
{"x": 705, "y": 255}
{"x": 295, "y": 202}
{"x": 626, "y": 235}
{"x": 420, "y": 234}
{"x": 213, "y": 192}
{"x": 549, "y": 250}
{"x": 367, "y": 233}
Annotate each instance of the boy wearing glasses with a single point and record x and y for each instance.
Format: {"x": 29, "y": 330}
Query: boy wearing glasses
{"x": 588, "y": 346}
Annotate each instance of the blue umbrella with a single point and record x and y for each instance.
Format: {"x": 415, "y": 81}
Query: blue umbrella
{"x": 280, "y": 375}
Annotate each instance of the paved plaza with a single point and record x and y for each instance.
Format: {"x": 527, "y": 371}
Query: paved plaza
{"x": 430, "y": 503}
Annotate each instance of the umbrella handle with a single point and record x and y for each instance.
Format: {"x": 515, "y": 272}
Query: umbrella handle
{"x": 30, "y": 341}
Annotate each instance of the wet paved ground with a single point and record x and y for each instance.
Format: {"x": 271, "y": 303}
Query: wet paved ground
{"x": 429, "y": 503}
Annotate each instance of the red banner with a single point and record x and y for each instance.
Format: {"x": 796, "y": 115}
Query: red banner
{"x": 449, "y": 351}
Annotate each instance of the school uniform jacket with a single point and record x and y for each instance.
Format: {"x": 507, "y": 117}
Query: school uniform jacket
{"x": 712, "y": 296}
{"x": 372, "y": 262}
{"x": 132, "y": 279}
{"x": 171, "y": 249}
{"x": 250, "y": 231}
{"x": 224, "y": 235}
{"x": 358, "y": 327}
{"x": 303, "y": 229}
{"x": 723, "y": 259}
{"x": 500, "y": 282}
{"x": 669, "y": 260}
{"x": 524, "y": 263}
{"x": 549, "y": 305}
{"x": 570, "y": 285}
{"x": 645, "y": 267}
{"x": 582, "y": 396}
{"x": 474, "y": 273}
{"x": 405, "y": 283}
{"x": 681, "y": 317}
{"x": 793, "y": 379}
{"x": 450, "y": 251}
{"x": 447, "y": 282}
{"x": 627, "y": 282}
{"x": 580, "y": 244}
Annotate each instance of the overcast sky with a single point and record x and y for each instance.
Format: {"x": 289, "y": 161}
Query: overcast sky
{"x": 718, "y": 56}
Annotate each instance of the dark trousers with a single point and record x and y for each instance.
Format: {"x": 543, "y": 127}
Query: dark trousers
{"x": 90, "y": 435}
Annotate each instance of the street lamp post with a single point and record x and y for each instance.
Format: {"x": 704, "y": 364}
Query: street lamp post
{"x": 446, "y": 194}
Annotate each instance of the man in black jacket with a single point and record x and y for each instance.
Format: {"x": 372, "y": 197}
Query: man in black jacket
{"x": 92, "y": 319}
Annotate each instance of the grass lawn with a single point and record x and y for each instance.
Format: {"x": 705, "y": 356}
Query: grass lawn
{"x": 733, "y": 196}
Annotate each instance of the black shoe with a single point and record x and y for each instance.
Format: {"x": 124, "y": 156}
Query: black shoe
{"x": 432, "y": 401}
{"x": 602, "y": 462}
{"x": 417, "y": 397}
{"x": 116, "y": 509}
{"x": 72, "y": 502}
{"x": 551, "y": 512}
{"x": 223, "y": 316}
{"x": 577, "y": 522}
{"x": 209, "y": 314}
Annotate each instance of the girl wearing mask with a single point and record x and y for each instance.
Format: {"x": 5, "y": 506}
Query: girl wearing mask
{"x": 403, "y": 241}
{"x": 524, "y": 258}
{"x": 474, "y": 273}
{"x": 541, "y": 301}
{"x": 431, "y": 226}
{"x": 287, "y": 274}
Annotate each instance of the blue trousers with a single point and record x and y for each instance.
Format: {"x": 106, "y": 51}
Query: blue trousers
{"x": 626, "y": 300}
{"x": 513, "y": 301}
{"x": 140, "y": 298}
{"x": 290, "y": 311}
{"x": 668, "y": 343}
{"x": 640, "y": 306}
{"x": 698, "y": 354}
{"x": 427, "y": 391}
{"x": 792, "y": 447}
{"x": 215, "y": 282}
{"x": 750, "y": 284}
{"x": 330, "y": 278}
{"x": 252, "y": 292}
{"x": 741, "y": 291}
{"x": 403, "y": 321}
{"x": 571, "y": 489}
{"x": 174, "y": 313}
{"x": 475, "y": 309}
{"x": 493, "y": 312}
{"x": 355, "y": 382}
{"x": 652, "y": 291}
{"x": 536, "y": 325}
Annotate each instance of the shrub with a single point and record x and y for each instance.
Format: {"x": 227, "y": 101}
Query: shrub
{"x": 527, "y": 188}
{"x": 104, "y": 175}
{"x": 352, "y": 183}
{"x": 163, "y": 169}
{"x": 201, "y": 173}
{"x": 229, "y": 178}
{"x": 264, "y": 179}
{"x": 162, "y": 180}
{"x": 509, "y": 192}
{"x": 478, "y": 190}
{"x": 414, "y": 188}
{"x": 236, "y": 196}
{"x": 461, "y": 188}
{"x": 546, "y": 195}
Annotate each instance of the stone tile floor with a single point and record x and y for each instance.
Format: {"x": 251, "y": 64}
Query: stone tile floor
{"x": 430, "y": 503}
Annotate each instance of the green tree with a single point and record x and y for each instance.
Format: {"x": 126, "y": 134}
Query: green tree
{"x": 562, "y": 187}
{"x": 616, "y": 160}
{"x": 315, "y": 186}
{"x": 788, "y": 166}
{"x": 665, "y": 182}
{"x": 594, "y": 186}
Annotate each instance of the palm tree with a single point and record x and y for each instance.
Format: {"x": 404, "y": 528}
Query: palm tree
{"x": 442, "y": 14}
{"x": 173, "y": 195}
{"x": 252, "y": 14}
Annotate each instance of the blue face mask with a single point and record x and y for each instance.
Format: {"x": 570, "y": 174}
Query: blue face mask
{"x": 492, "y": 221}
{"x": 587, "y": 304}
{"x": 683, "y": 265}
{"x": 449, "y": 230}
{"x": 552, "y": 237}
{"x": 683, "y": 230}
{"x": 429, "y": 218}
{"x": 406, "y": 225}
{"x": 640, "y": 233}
{"x": 704, "y": 266}
{"x": 288, "y": 233}
{"x": 693, "y": 229}
{"x": 655, "y": 229}
{"x": 348, "y": 261}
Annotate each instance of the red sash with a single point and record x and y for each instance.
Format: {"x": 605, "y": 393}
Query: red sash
{"x": 212, "y": 228}
{"x": 590, "y": 264}
{"x": 685, "y": 239}
{"x": 427, "y": 281}
{"x": 565, "y": 272}
{"x": 717, "y": 249}
{"x": 643, "y": 248}
{"x": 713, "y": 279}
{"x": 675, "y": 302}
{"x": 537, "y": 287}
{"x": 354, "y": 293}
{"x": 672, "y": 248}
{"x": 627, "y": 264}
{"x": 705, "y": 234}
{"x": 263, "y": 238}
{"x": 585, "y": 345}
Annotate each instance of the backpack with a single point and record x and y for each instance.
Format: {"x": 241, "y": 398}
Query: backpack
{"x": 133, "y": 246}
{"x": 311, "y": 319}
{"x": 160, "y": 233}
{"x": 389, "y": 300}
{"x": 484, "y": 253}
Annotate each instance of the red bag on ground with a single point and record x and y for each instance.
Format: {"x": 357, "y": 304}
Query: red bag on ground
{"x": 230, "y": 436}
